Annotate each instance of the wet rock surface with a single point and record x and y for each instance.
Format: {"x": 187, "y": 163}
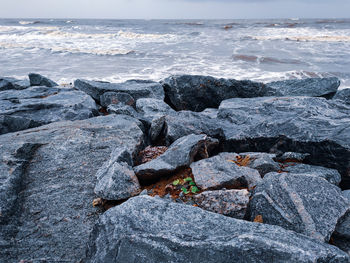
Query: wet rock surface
{"x": 36, "y": 106}
{"x": 47, "y": 185}
{"x": 12, "y": 83}
{"x": 147, "y": 229}
{"x": 306, "y": 204}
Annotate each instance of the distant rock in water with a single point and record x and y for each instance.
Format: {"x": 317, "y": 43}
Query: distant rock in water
{"x": 196, "y": 93}
{"x": 39, "y": 80}
{"x": 12, "y": 83}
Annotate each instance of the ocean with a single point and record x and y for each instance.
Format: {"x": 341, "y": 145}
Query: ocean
{"x": 117, "y": 50}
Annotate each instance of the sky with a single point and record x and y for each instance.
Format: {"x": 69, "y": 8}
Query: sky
{"x": 172, "y": 9}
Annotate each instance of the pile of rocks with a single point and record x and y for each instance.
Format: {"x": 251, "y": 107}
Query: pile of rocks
{"x": 244, "y": 171}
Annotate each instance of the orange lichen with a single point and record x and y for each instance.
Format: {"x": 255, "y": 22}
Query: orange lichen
{"x": 258, "y": 219}
{"x": 241, "y": 160}
{"x": 149, "y": 153}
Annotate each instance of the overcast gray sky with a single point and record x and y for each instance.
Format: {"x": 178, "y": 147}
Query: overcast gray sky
{"x": 174, "y": 9}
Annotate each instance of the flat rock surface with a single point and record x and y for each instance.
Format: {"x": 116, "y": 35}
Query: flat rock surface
{"x": 217, "y": 172}
{"x": 316, "y": 126}
{"x": 135, "y": 88}
{"x": 179, "y": 155}
{"x": 312, "y": 87}
{"x": 146, "y": 229}
{"x": 48, "y": 177}
{"x": 331, "y": 175}
{"x": 306, "y": 204}
{"x": 36, "y": 106}
{"x": 232, "y": 203}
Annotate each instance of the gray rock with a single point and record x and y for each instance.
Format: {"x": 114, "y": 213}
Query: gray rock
{"x": 146, "y": 229}
{"x": 179, "y": 155}
{"x": 12, "y": 83}
{"x": 47, "y": 180}
{"x": 343, "y": 95}
{"x": 312, "y": 87}
{"x": 122, "y": 109}
{"x": 39, "y": 80}
{"x": 316, "y": 126}
{"x": 135, "y": 88}
{"x": 231, "y": 203}
{"x": 150, "y": 107}
{"x": 306, "y": 204}
{"x": 108, "y": 98}
{"x": 300, "y": 157}
{"x": 341, "y": 235}
{"x": 346, "y": 193}
{"x": 263, "y": 162}
{"x": 331, "y": 175}
{"x": 217, "y": 172}
{"x": 36, "y": 106}
{"x": 195, "y": 93}
{"x": 182, "y": 123}
{"x": 115, "y": 179}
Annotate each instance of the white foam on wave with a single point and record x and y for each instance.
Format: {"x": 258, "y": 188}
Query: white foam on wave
{"x": 324, "y": 38}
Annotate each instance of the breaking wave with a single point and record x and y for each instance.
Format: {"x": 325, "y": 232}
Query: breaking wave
{"x": 324, "y": 38}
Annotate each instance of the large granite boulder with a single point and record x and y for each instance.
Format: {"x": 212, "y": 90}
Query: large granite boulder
{"x": 12, "y": 83}
{"x": 219, "y": 172}
{"x": 341, "y": 235}
{"x": 36, "y": 106}
{"x": 312, "y": 87}
{"x": 47, "y": 179}
{"x": 135, "y": 88}
{"x": 109, "y": 98}
{"x": 316, "y": 126}
{"x": 151, "y": 108}
{"x": 39, "y": 80}
{"x": 195, "y": 93}
{"x": 146, "y": 229}
{"x": 179, "y": 155}
{"x": 343, "y": 95}
{"x": 232, "y": 203}
{"x": 116, "y": 179}
{"x": 305, "y": 204}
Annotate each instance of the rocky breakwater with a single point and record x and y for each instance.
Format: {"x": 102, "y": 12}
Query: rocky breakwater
{"x": 192, "y": 169}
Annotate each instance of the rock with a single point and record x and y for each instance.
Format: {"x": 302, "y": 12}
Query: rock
{"x": 12, "y": 83}
{"x": 312, "y": 87}
{"x": 217, "y": 172}
{"x": 231, "y": 203}
{"x": 196, "y": 93}
{"x": 47, "y": 180}
{"x": 109, "y": 98}
{"x": 179, "y": 155}
{"x": 36, "y": 106}
{"x": 135, "y": 88}
{"x": 316, "y": 126}
{"x": 263, "y": 162}
{"x": 292, "y": 156}
{"x": 115, "y": 179}
{"x": 346, "y": 193}
{"x": 151, "y": 108}
{"x": 182, "y": 123}
{"x": 341, "y": 235}
{"x": 343, "y": 95}
{"x": 305, "y": 204}
{"x": 39, "y": 80}
{"x": 146, "y": 229}
{"x": 122, "y": 109}
{"x": 331, "y": 175}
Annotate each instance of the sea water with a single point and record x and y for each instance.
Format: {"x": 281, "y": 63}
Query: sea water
{"x": 117, "y": 50}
